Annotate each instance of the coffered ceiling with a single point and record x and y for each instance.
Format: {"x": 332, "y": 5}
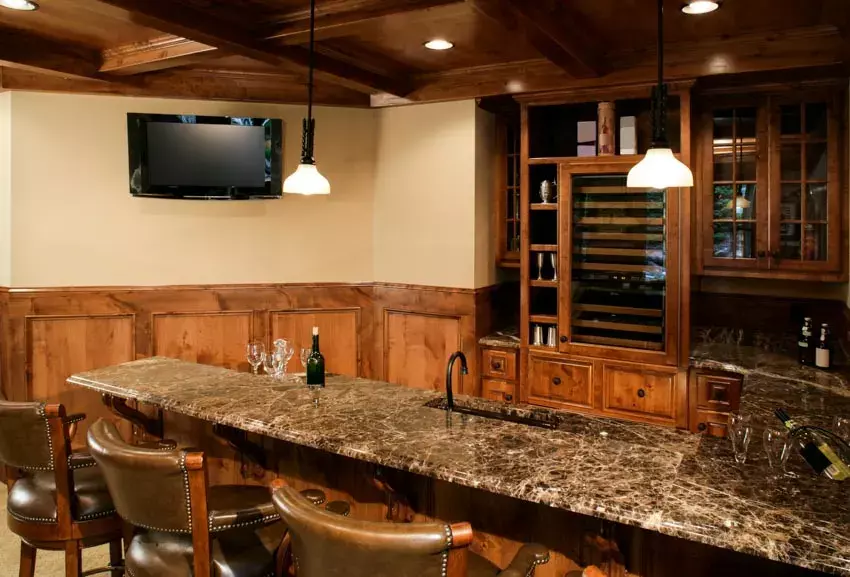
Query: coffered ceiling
{"x": 370, "y": 52}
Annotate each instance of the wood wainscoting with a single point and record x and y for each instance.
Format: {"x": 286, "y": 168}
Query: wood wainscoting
{"x": 400, "y": 333}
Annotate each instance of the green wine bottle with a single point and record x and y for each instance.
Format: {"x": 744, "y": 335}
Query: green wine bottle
{"x": 316, "y": 364}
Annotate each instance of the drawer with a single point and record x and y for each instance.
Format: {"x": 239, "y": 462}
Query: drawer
{"x": 499, "y": 364}
{"x": 710, "y": 423}
{"x": 718, "y": 393}
{"x": 556, "y": 383}
{"x": 498, "y": 391}
{"x": 639, "y": 391}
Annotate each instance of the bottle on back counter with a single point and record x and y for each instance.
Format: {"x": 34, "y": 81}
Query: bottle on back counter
{"x": 823, "y": 352}
{"x": 806, "y": 343}
{"x": 813, "y": 447}
{"x": 315, "y": 363}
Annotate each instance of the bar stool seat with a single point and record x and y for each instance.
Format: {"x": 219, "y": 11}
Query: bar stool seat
{"x": 245, "y": 552}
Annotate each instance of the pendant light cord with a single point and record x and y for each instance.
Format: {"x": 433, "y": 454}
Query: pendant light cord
{"x": 659, "y": 93}
{"x": 309, "y": 124}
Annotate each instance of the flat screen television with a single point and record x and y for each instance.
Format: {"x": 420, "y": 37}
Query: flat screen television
{"x": 205, "y": 157}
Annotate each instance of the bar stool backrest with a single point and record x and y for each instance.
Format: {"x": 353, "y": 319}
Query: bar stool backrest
{"x": 150, "y": 487}
{"x": 25, "y": 441}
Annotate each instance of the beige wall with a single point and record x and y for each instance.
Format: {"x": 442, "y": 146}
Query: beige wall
{"x": 485, "y": 221}
{"x": 429, "y": 201}
{"x": 75, "y": 222}
{"x": 5, "y": 188}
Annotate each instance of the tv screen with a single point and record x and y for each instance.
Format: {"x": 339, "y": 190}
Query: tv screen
{"x": 216, "y": 157}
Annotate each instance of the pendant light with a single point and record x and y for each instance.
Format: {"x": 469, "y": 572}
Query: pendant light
{"x": 307, "y": 179}
{"x": 660, "y": 168}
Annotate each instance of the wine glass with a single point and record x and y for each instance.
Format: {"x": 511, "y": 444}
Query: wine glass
{"x": 286, "y": 350}
{"x": 777, "y": 447}
{"x": 740, "y": 433}
{"x": 256, "y": 353}
{"x": 305, "y": 354}
{"x": 271, "y": 364}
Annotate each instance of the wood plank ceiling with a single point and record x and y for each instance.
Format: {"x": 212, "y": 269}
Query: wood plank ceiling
{"x": 370, "y": 52}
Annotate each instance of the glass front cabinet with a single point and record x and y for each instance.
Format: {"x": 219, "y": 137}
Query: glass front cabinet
{"x": 769, "y": 193}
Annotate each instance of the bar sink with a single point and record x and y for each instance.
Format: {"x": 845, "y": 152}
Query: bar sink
{"x": 541, "y": 420}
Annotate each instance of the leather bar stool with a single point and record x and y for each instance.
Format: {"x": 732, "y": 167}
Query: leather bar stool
{"x": 185, "y": 528}
{"x": 58, "y": 500}
{"x": 326, "y": 544}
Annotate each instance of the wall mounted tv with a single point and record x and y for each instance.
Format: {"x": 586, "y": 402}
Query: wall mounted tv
{"x": 205, "y": 157}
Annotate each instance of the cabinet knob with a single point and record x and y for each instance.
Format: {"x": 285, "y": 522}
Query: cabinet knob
{"x": 556, "y": 381}
{"x": 701, "y": 427}
{"x": 509, "y": 397}
{"x": 761, "y": 254}
{"x": 641, "y": 393}
{"x": 563, "y": 339}
{"x": 497, "y": 365}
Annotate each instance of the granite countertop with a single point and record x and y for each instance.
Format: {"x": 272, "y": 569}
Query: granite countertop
{"x": 506, "y": 339}
{"x": 665, "y": 480}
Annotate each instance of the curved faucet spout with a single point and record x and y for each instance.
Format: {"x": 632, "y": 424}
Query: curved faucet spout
{"x": 464, "y": 370}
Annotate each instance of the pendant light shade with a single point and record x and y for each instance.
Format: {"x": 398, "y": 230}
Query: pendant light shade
{"x": 307, "y": 180}
{"x": 660, "y": 168}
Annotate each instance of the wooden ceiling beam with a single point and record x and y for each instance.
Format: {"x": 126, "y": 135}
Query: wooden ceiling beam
{"x": 21, "y": 49}
{"x": 182, "y": 20}
{"x": 157, "y": 54}
{"x": 555, "y": 30}
{"x": 744, "y": 53}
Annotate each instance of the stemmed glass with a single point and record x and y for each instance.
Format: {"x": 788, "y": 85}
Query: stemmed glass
{"x": 777, "y": 447}
{"x": 256, "y": 353}
{"x": 740, "y": 433}
{"x": 273, "y": 364}
{"x": 286, "y": 350}
{"x": 305, "y": 354}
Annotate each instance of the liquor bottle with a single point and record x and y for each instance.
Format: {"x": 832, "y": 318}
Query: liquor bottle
{"x": 805, "y": 343}
{"x": 315, "y": 363}
{"x": 815, "y": 450}
{"x": 823, "y": 353}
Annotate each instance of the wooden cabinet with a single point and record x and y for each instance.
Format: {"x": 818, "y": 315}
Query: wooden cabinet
{"x": 499, "y": 381}
{"x": 648, "y": 393}
{"x": 712, "y": 396}
{"x": 507, "y": 188}
{"x": 498, "y": 391}
{"x": 560, "y": 383}
{"x": 771, "y": 189}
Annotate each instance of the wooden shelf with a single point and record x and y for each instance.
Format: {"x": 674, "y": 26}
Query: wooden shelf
{"x": 618, "y": 236}
{"x": 615, "y": 326}
{"x": 585, "y": 159}
{"x": 623, "y": 205}
{"x": 616, "y": 267}
{"x": 614, "y": 310}
{"x": 622, "y": 220}
{"x": 509, "y": 264}
{"x": 541, "y": 206}
{"x": 610, "y": 190}
{"x": 544, "y": 283}
{"x": 543, "y": 248}
{"x": 544, "y": 319}
{"x": 619, "y": 252}
{"x": 627, "y": 343}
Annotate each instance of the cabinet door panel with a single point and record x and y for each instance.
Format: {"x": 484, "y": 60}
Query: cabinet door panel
{"x": 498, "y": 391}
{"x": 805, "y": 135}
{"x": 560, "y": 382}
{"x": 499, "y": 364}
{"x": 638, "y": 391}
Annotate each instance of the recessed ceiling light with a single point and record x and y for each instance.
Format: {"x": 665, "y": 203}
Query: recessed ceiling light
{"x": 438, "y": 44}
{"x": 700, "y": 6}
{"x": 19, "y": 4}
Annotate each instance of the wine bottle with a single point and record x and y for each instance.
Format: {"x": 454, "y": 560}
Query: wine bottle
{"x": 805, "y": 342}
{"x": 815, "y": 450}
{"x": 315, "y": 363}
{"x": 823, "y": 353}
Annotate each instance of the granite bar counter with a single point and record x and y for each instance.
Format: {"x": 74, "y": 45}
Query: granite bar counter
{"x": 664, "y": 480}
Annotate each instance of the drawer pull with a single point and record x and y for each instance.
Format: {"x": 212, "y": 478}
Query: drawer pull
{"x": 496, "y": 365}
{"x": 641, "y": 393}
{"x": 556, "y": 381}
{"x": 563, "y": 339}
{"x": 509, "y": 397}
{"x": 701, "y": 427}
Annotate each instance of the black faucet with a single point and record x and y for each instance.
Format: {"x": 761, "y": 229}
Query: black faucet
{"x": 464, "y": 370}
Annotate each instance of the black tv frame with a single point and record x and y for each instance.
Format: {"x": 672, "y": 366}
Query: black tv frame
{"x": 139, "y": 176}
